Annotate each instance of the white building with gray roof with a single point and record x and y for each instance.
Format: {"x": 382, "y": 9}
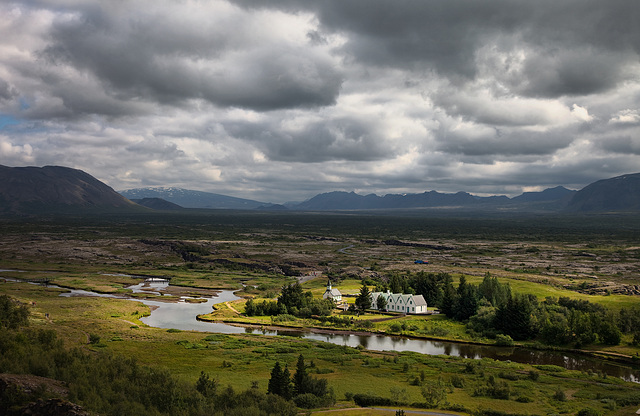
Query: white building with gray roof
{"x": 401, "y": 303}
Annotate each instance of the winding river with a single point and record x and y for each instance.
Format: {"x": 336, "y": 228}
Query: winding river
{"x": 182, "y": 315}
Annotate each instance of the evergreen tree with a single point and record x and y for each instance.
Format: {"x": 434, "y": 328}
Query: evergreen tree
{"x": 363, "y": 300}
{"x": 280, "y": 381}
{"x": 515, "y": 318}
{"x": 285, "y": 387}
{"x": 275, "y": 381}
{"x": 467, "y": 304}
{"x": 429, "y": 286}
{"x": 206, "y": 385}
{"x": 493, "y": 291}
{"x": 381, "y": 302}
{"x": 301, "y": 380}
{"x": 293, "y": 296}
{"x": 449, "y": 303}
{"x": 395, "y": 283}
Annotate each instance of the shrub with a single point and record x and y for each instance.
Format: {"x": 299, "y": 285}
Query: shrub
{"x": 587, "y": 411}
{"x": 395, "y": 327}
{"x": 365, "y": 323}
{"x": 12, "y": 313}
{"x": 504, "y": 340}
{"x": 308, "y": 401}
{"x": 509, "y": 376}
{"x": 367, "y": 400}
{"x": 284, "y": 317}
{"x": 560, "y": 395}
{"x": 457, "y": 381}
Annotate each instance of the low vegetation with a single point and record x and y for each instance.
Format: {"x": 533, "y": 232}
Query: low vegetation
{"x": 560, "y": 285}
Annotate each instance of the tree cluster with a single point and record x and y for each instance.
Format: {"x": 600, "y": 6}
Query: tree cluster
{"x": 306, "y": 391}
{"x": 491, "y": 309}
{"x": 12, "y": 314}
{"x": 292, "y": 301}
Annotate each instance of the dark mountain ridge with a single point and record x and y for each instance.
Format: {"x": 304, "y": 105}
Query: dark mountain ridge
{"x": 549, "y": 199}
{"x": 34, "y": 190}
{"x": 621, "y": 193}
{"x": 158, "y": 204}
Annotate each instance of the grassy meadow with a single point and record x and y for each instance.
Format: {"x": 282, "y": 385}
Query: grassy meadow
{"x": 597, "y": 260}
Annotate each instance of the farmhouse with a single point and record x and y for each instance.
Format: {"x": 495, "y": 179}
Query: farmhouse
{"x": 332, "y": 293}
{"x": 398, "y": 302}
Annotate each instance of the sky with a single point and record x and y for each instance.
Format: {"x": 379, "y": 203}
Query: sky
{"x": 281, "y": 100}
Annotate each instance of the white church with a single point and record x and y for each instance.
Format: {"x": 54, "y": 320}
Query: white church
{"x": 331, "y": 293}
{"x": 401, "y": 303}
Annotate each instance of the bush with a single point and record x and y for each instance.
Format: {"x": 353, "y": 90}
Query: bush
{"x": 504, "y": 340}
{"x": 12, "y": 313}
{"x": 587, "y": 411}
{"x": 509, "y": 376}
{"x": 308, "y": 401}
{"x": 457, "y": 381}
{"x": 367, "y": 400}
{"x": 560, "y": 395}
{"x": 365, "y": 323}
{"x": 395, "y": 327}
{"x": 495, "y": 389}
{"x": 283, "y": 317}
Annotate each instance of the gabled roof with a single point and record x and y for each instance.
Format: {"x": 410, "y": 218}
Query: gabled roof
{"x": 419, "y": 300}
{"x": 374, "y": 295}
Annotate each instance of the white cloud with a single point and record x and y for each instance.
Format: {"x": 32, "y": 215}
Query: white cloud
{"x": 626, "y": 117}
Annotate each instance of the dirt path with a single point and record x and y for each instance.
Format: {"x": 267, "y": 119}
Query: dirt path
{"x": 232, "y": 308}
{"x": 413, "y": 412}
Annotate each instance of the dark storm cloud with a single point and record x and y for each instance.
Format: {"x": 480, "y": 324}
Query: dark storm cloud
{"x": 7, "y": 91}
{"x": 174, "y": 58}
{"x": 573, "y": 47}
{"x": 316, "y": 141}
{"x": 497, "y": 143}
{"x": 626, "y": 145}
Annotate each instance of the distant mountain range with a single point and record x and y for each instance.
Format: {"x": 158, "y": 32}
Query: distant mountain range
{"x": 547, "y": 199}
{"x": 621, "y": 193}
{"x": 192, "y": 199}
{"x": 53, "y": 189}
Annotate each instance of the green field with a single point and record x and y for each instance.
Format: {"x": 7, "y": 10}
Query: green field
{"x": 596, "y": 260}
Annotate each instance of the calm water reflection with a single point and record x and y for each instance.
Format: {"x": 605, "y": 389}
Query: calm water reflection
{"x": 182, "y": 315}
